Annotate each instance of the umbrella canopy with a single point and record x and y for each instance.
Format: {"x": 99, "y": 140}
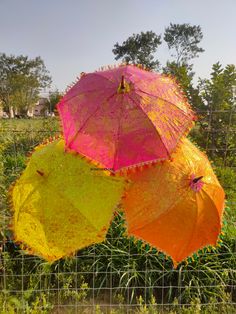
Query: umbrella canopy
{"x": 124, "y": 116}
{"x": 62, "y": 202}
{"x": 176, "y": 205}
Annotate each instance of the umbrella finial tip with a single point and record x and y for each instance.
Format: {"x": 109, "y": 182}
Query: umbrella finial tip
{"x": 40, "y": 173}
{"x": 196, "y": 183}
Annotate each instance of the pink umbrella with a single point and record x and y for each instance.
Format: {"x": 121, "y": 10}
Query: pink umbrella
{"x": 124, "y": 116}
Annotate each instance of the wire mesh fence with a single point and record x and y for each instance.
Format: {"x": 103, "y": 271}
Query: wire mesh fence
{"x": 122, "y": 274}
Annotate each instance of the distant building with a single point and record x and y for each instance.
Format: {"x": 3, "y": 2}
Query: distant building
{"x": 40, "y": 109}
{"x": 1, "y": 110}
{"x": 3, "y": 114}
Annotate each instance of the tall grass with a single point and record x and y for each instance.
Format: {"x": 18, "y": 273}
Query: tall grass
{"x": 120, "y": 271}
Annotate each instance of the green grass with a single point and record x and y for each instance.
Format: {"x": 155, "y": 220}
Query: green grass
{"x": 136, "y": 273}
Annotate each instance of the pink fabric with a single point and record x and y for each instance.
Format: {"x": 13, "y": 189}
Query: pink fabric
{"x": 119, "y": 130}
{"x": 196, "y": 186}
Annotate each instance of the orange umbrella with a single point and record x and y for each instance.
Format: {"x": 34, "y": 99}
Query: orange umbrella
{"x": 175, "y": 205}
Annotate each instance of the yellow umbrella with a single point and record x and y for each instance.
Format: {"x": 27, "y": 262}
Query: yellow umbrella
{"x": 175, "y": 205}
{"x": 62, "y": 202}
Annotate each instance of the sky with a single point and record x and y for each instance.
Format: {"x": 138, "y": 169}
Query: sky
{"x": 74, "y": 36}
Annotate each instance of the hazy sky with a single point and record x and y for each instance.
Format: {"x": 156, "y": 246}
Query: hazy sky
{"x": 78, "y": 35}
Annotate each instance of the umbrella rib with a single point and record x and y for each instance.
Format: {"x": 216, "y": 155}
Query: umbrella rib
{"x": 186, "y": 125}
{"x": 99, "y": 74}
{"x": 213, "y": 184}
{"x": 68, "y": 99}
{"x": 29, "y": 181}
{"x": 166, "y": 212}
{"x": 30, "y": 194}
{"x": 212, "y": 202}
{"x": 151, "y": 95}
{"x": 192, "y": 233}
{"x": 84, "y": 92}
{"x": 20, "y": 211}
{"x": 92, "y": 90}
{"x": 153, "y": 127}
{"x": 118, "y": 137}
{"x": 56, "y": 192}
{"x": 71, "y": 204}
{"x": 117, "y": 140}
{"x": 93, "y": 113}
{"x": 195, "y": 224}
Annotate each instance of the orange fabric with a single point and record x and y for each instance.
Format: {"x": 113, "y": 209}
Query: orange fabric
{"x": 163, "y": 209}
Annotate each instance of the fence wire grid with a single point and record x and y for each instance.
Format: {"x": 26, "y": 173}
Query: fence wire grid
{"x": 120, "y": 275}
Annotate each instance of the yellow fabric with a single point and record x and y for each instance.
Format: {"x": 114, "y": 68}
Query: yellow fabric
{"x": 62, "y": 202}
{"x": 162, "y": 209}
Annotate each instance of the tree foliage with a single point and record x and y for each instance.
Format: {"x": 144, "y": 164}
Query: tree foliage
{"x": 212, "y": 98}
{"x": 139, "y": 49}
{"x": 184, "y": 77}
{"x": 217, "y": 113}
{"x": 181, "y": 73}
{"x": 184, "y": 40}
{"x": 21, "y": 81}
{"x": 54, "y": 98}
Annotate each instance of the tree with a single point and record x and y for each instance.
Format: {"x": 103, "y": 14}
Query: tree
{"x": 139, "y": 49}
{"x": 184, "y": 40}
{"x": 182, "y": 74}
{"x": 21, "y": 81}
{"x": 54, "y": 98}
{"x": 218, "y": 120}
{"x": 184, "y": 77}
